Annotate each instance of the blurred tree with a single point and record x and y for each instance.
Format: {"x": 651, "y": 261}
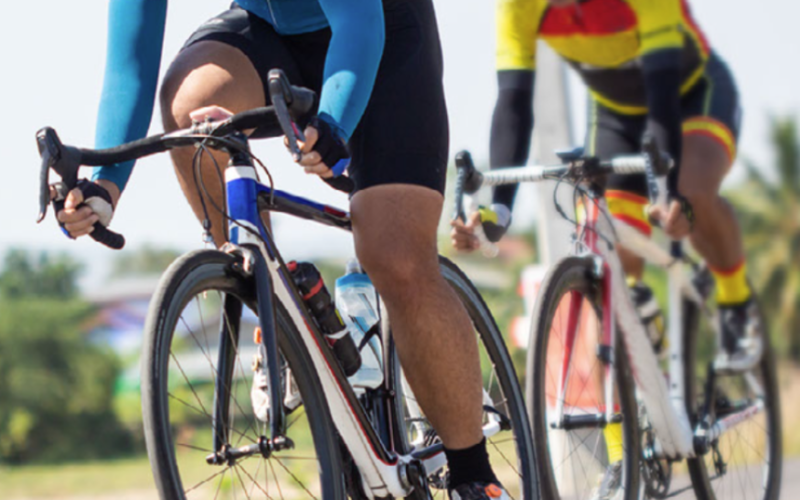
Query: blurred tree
{"x": 55, "y": 387}
{"x": 768, "y": 204}
{"x": 51, "y": 276}
{"x": 146, "y": 260}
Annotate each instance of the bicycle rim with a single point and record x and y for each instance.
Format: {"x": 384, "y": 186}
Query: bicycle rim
{"x": 745, "y": 462}
{"x": 509, "y": 450}
{"x": 181, "y": 367}
{"x": 573, "y": 459}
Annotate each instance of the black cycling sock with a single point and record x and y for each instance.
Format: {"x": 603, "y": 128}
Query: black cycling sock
{"x": 469, "y": 465}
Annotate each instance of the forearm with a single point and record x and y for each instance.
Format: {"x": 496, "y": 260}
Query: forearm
{"x": 135, "y": 38}
{"x": 354, "y": 55}
{"x": 512, "y": 126}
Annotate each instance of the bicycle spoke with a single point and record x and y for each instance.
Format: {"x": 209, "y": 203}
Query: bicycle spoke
{"x": 506, "y": 459}
{"x": 215, "y": 375}
{"x": 236, "y": 468}
{"x": 255, "y": 474}
{"x": 197, "y": 448}
{"x": 277, "y": 483}
{"x": 223, "y": 471}
{"x": 295, "y": 478}
{"x": 252, "y": 479}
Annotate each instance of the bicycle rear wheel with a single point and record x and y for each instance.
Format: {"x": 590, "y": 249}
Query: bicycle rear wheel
{"x": 565, "y": 386}
{"x": 194, "y": 356}
{"x": 745, "y": 462}
{"x": 509, "y": 443}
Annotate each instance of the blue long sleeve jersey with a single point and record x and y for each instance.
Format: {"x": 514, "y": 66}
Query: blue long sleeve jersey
{"x": 135, "y": 39}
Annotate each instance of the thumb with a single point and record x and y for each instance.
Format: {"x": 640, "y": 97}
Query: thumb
{"x": 655, "y": 212}
{"x": 74, "y": 198}
{"x": 474, "y": 220}
{"x": 311, "y": 139}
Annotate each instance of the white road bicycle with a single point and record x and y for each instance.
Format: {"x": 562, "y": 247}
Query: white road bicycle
{"x": 214, "y": 310}
{"x": 591, "y": 362}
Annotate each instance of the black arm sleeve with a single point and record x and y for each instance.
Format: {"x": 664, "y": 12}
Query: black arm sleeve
{"x": 662, "y": 77}
{"x": 512, "y": 125}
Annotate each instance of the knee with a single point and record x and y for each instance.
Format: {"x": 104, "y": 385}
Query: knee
{"x": 701, "y": 198}
{"x": 176, "y": 103}
{"x": 397, "y": 272}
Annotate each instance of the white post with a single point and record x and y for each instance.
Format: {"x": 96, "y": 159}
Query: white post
{"x": 552, "y": 131}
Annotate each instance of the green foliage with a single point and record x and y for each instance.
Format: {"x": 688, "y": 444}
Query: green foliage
{"x": 769, "y": 212}
{"x": 55, "y": 387}
{"x": 146, "y": 260}
{"x": 47, "y": 276}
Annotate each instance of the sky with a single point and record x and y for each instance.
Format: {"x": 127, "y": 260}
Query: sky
{"x": 53, "y": 55}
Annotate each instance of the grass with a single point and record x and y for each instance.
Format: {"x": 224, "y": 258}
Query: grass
{"x": 131, "y": 479}
{"x": 91, "y": 478}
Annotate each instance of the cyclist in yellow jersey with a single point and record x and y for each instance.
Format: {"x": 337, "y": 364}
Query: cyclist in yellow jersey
{"x": 650, "y": 70}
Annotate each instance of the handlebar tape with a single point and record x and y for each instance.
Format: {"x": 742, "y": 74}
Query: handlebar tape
{"x": 107, "y": 237}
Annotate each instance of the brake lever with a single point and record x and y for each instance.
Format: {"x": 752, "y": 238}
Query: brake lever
{"x": 281, "y": 95}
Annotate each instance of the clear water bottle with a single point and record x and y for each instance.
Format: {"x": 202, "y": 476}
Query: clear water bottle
{"x": 357, "y": 303}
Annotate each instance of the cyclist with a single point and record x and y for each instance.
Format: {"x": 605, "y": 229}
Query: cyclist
{"x": 649, "y": 69}
{"x": 377, "y": 67}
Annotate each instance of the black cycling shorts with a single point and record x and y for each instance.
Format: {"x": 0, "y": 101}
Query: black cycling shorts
{"x": 402, "y": 137}
{"x": 710, "y": 108}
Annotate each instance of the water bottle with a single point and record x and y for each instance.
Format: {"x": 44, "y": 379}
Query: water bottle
{"x": 357, "y": 304}
{"x": 651, "y": 316}
{"x": 316, "y": 296}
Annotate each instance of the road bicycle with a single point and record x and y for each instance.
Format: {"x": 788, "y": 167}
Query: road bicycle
{"x": 591, "y": 362}
{"x": 322, "y": 438}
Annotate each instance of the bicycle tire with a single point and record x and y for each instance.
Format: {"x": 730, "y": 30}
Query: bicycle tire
{"x": 495, "y": 347}
{"x": 574, "y": 274}
{"x": 698, "y": 469}
{"x": 190, "y": 274}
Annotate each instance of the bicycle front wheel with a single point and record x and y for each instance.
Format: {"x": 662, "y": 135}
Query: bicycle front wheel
{"x": 505, "y": 422}
{"x": 566, "y": 386}
{"x": 196, "y": 371}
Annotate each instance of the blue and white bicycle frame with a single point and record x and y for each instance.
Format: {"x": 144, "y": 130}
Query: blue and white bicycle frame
{"x": 384, "y": 472}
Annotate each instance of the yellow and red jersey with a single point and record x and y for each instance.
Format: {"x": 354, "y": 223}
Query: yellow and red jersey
{"x": 604, "y": 41}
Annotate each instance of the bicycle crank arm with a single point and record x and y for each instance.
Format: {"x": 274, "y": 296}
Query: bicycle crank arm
{"x": 432, "y": 457}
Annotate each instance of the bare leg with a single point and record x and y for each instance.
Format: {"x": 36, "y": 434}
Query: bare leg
{"x": 207, "y": 73}
{"x": 716, "y": 235}
{"x": 395, "y": 235}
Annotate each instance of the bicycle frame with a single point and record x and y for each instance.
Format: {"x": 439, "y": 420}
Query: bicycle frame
{"x": 596, "y": 238}
{"x": 384, "y": 472}
{"x": 665, "y": 402}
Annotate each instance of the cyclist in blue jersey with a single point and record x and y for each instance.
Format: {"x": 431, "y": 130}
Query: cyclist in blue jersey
{"x": 377, "y": 66}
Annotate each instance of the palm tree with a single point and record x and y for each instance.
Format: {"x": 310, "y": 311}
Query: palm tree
{"x": 768, "y": 203}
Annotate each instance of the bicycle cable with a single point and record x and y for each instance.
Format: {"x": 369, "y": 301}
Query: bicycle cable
{"x": 202, "y": 189}
{"x": 585, "y": 193}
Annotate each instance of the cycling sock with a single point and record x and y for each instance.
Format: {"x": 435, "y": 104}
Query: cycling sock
{"x": 614, "y": 444}
{"x": 732, "y": 286}
{"x": 469, "y": 465}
